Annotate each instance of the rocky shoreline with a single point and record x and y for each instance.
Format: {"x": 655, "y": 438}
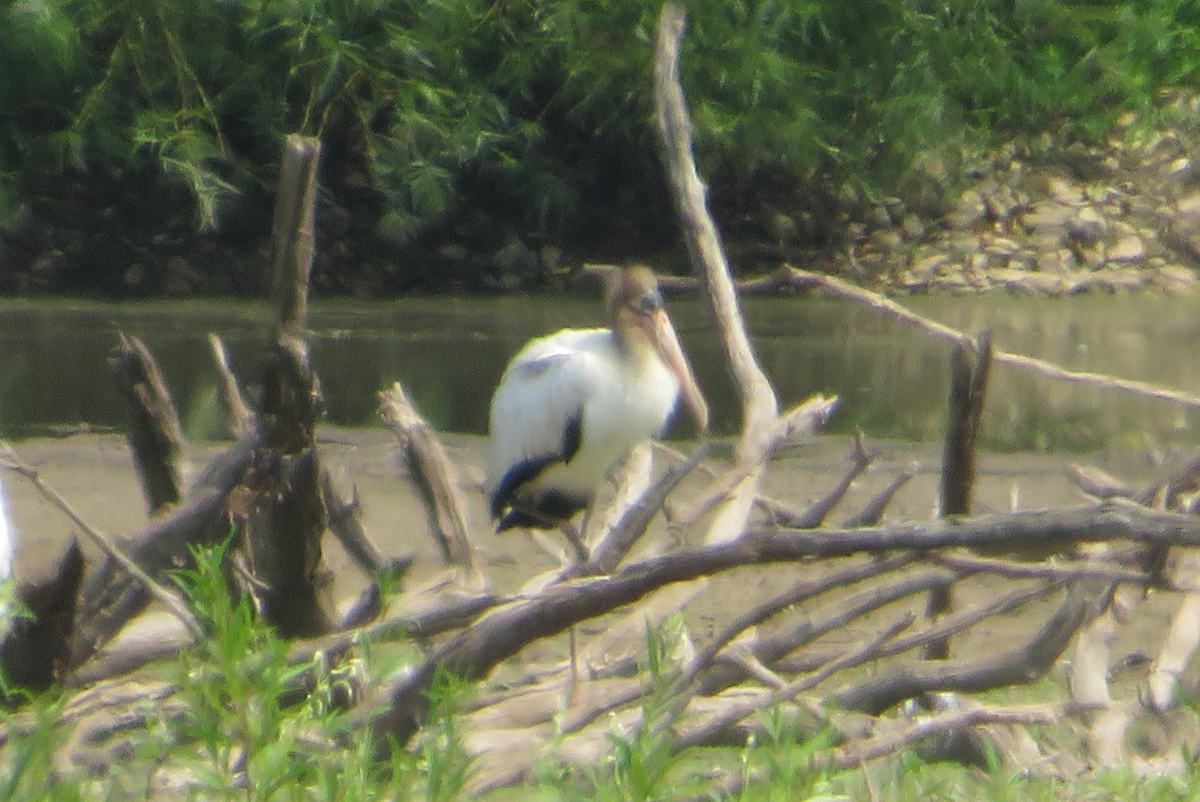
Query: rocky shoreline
{"x": 1124, "y": 219}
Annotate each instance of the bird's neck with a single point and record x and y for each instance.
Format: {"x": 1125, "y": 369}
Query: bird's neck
{"x": 633, "y": 344}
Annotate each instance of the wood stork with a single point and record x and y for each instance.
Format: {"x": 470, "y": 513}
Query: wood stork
{"x": 572, "y": 404}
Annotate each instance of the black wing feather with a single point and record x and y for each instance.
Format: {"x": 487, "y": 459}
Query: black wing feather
{"x": 553, "y": 505}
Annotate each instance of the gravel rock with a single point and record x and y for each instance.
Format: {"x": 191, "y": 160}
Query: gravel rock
{"x": 1125, "y": 218}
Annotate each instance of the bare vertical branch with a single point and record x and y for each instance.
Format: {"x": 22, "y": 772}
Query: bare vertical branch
{"x": 970, "y": 369}
{"x": 292, "y": 234}
{"x": 240, "y": 419}
{"x": 155, "y": 436}
{"x": 760, "y": 407}
{"x": 700, "y": 234}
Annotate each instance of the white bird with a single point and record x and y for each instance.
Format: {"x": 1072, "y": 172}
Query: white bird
{"x": 573, "y": 404}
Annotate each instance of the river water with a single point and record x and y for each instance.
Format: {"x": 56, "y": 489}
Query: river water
{"x": 449, "y": 352}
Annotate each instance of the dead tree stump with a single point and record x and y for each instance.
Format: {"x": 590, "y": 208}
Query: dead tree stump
{"x": 281, "y": 509}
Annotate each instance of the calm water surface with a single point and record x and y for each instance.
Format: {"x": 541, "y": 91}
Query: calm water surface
{"x": 449, "y": 353}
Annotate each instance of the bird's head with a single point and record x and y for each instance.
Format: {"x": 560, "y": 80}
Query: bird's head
{"x": 640, "y": 324}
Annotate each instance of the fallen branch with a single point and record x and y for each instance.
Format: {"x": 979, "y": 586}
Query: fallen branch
{"x": 172, "y": 600}
{"x": 400, "y": 706}
{"x": 802, "y": 591}
{"x": 856, "y": 753}
{"x": 722, "y": 721}
{"x": 1018, "y": 666}
{"x": 771, "y": 649}
{"x": 950, "y": 624}
{"x": 796, "y": 278}
{"x": 636, "y": 520}
{"x": 434, "y": 475}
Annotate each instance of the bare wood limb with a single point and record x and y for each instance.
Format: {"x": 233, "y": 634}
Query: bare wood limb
{"x": 433, "y": 474}
{"x": 872, "y": 513}
{"x": 949, "y": 625}
{"x": 1178, "y": 649}
{"x": 155, "y": 436}
{"x": 779, "y": 513}
{"x": 1021, "y": 665}
{"x": 239, "y": 420}
{"x": 723, "y": 721}
{"x": 786, "y": 275}
{"x": 636, "y": 520}
{"x": 759, "y": 405}
{"x": 1185, "y": 479}
{"x": 631, "y": 479}
{"x": 1097, "y": 483}
{"x": 292, "y": 232}
{"x": 111, "y": 596}
{"x": 969, "y": 371}
{"x": 771, "y": 649}
{"x": 346, "y": 523}
{"x": 858, "y": 752}
{"x": 740, "y": 480}
{"x": 1017, "y": 531}
{"x": 800, "y": 592}
{"x": 1058, "y": 572}
{"x": 789, "y": 277}
{"x": 801, "y": 421}
{"x": 172, "y": 600}
{"x": 815, "y": 515}
{"x": 400, "y": 706}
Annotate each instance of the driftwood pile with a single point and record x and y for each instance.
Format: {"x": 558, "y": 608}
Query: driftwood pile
{"x": 1078, "y": 573}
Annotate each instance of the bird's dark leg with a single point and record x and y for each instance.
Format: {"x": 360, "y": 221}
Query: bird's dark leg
{"x": 565, "y": 526}
{"x": 574, "y": 537}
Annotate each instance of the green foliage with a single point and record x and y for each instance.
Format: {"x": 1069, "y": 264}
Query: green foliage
{"x": 233, "y": 686}
{"x": 543, "y": 109}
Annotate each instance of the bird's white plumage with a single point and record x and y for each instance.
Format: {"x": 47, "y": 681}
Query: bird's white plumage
{"x": 575, "y": 372}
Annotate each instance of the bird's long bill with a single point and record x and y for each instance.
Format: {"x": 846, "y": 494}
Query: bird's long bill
{"x": 666, "y": 342}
